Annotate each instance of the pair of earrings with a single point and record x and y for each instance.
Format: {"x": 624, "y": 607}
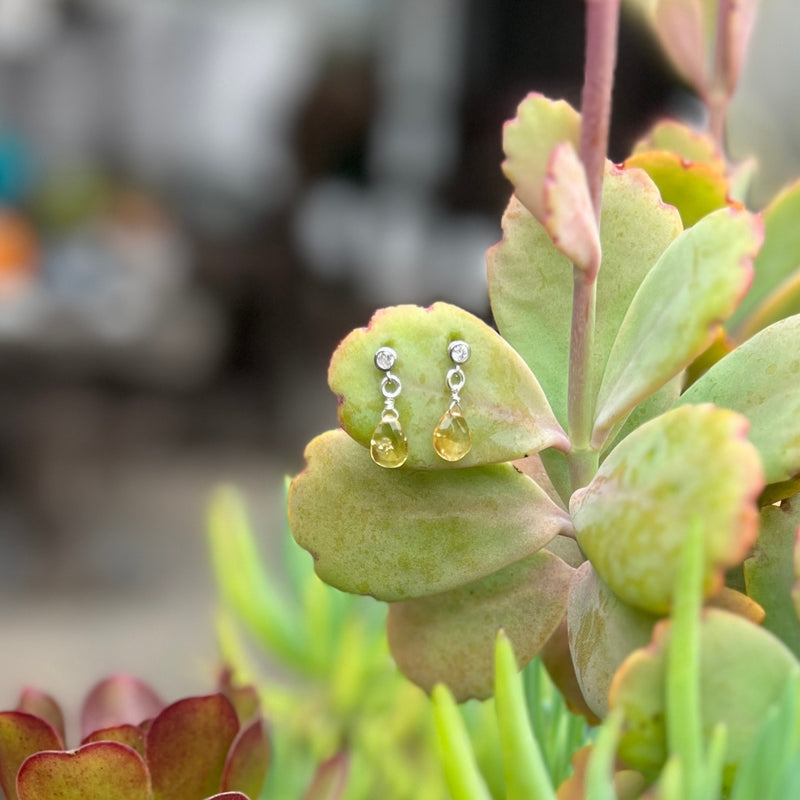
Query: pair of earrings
{"x": 452, "y": 438}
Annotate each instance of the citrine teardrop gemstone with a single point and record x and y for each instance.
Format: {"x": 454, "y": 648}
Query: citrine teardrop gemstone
{"x": 389, "y": 445}
{"x": 452, "y": 438}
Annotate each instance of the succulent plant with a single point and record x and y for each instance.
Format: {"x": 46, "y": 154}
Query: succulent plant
{"x": 644, "y": 383}
{"x": 134, "y": 747}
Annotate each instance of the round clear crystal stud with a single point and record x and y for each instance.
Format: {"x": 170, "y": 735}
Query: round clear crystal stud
{"x": 385, "y": 358}
{"x": 459, "y": 352}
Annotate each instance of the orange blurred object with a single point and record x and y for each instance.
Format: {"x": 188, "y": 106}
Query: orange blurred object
{"x": 19, "y": 249}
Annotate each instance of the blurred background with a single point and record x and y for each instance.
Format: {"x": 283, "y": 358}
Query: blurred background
{"x": 198, "y": 200}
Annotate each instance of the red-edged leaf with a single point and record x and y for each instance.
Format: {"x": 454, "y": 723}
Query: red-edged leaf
{"x": 96, "y": 771}
{"x": 21, "y": 735}
{"x": 248, "y": 760}
{"x": 187, "y": 745}
{"x": 118, "y": 700}
{"x": 330, "y": 780}
{"x": 124, "y": 734}
{"x": 569, "y": 216}
{"x": 228, "y": 796}
{"x": 41, "y": 705}
{"x": 243, "y": 698}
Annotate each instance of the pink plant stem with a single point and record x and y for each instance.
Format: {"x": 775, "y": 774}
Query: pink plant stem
{"x": 602, "y": 21}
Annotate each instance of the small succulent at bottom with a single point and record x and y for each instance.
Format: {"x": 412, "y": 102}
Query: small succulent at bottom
{"x": 135, "y": 747}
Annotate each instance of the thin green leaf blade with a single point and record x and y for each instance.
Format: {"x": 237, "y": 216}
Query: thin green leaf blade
{"x": 526, "y": 775}
{"x": 461, "y": 769}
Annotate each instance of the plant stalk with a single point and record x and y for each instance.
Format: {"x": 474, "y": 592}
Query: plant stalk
{"x": 602, "y": 21}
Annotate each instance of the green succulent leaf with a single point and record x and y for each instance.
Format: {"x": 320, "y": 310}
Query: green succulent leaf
{"x": 523, "y": 765}
{"x": 656, "y": 404}
{"x": 248, "y": 760}
{"x": 675, "y": 137}
{"x": 398, "y": 534}
{"x": 761, "y": 380}
{"x": 187, "y": 746}
{"x": 529, "y": 139}
{"x": 695, "y": 189}
{"x": 796, "y": 566}
{"x": 243, "y": 582}
{"x": 632, "y": 518}
{"x": 603, "y": 631}
{"x": 530, "y": 281}
{"x": 768, "y": 572}
{"x": 676, "y": 311}
{"x": 96, "y": 771}
{"x": 504, "y": 406}
{"x": 449, "y": 638}
{"x": 734, "y": 653}
{"x": 464, "y": 779}
{"x": 775, "y": 292}
{"x": 21, "y": 735}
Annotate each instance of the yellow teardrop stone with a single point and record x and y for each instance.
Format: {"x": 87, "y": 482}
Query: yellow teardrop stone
{"x": 452, "y": 438}
{"x": 388, "y": 445}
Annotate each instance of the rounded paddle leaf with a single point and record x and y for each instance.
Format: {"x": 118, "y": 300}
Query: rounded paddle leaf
{"x": 694, "y": 189}
{"x": 118, "y": 700}
{"x": 96, "y": 771}
{"x": 675, "y": 137}
{"x": 632, "y": 519}
{"x": 683, "y": 28}
{"x": 603, "y": 631}
{"x": 743, "y": 672}
{"x": 21, "y": 735}
{"x": 530, "y": 281}
{"x": 769, "y": 574}
{"x": 776, "y": 282}
{"x": 528, "y": 142}
{"x": 761, "y": 380}
{"x": 569, "y": 215}
{"x": 130, "y": 735}
{"x": 449, "y": 638}
{"x": 248, "y": 760}
{"x": 397, "y": 534}
{"x": 42, "y": 705}
{"x": 187, "y": 746}
{"x": 501, "y": 400}
{"x": 676, "y": 312}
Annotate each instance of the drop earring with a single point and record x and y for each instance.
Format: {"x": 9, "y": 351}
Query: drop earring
{"x": 388, "y": 446}
{"x": 452, "y": 438}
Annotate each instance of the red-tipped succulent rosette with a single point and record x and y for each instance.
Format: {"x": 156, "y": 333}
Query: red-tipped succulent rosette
{"x": 135, "y": 747}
